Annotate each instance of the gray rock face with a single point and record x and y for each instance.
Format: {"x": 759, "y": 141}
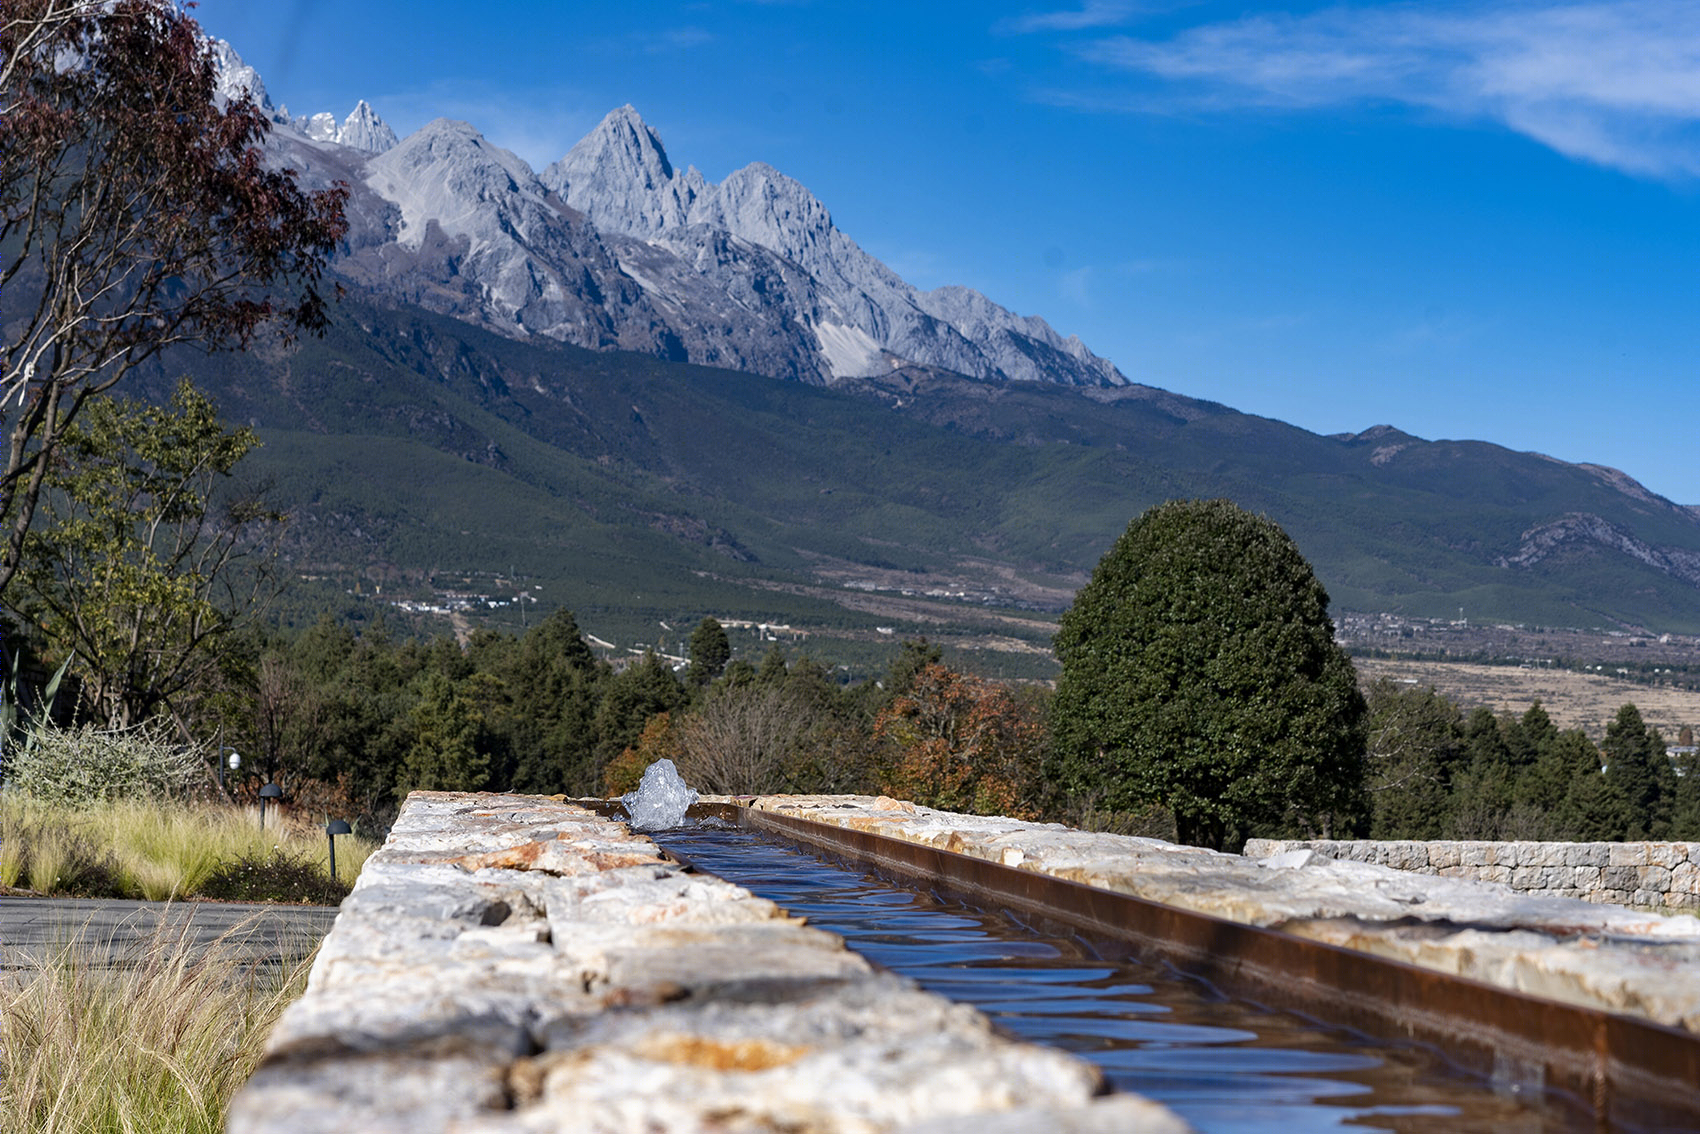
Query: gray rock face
{"x": 364, "y": 130}
{"x": 1024, "y": 347}
{"x": 751, "y": 273}
{"x": 460, "y": 226}
{"x": 613, "y": 248}
{"x": 236, "y": 79}
{"x": 619, "y": 175}
{"x": 863, "y": 316}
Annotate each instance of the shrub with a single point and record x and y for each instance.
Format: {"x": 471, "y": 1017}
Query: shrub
{"x": 277, "y": 877}
{"x": 740, "y": 739}
{"x": 79, "y": 766}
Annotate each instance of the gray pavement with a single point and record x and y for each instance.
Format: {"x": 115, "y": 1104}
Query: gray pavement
{"x": 112, "y": 930}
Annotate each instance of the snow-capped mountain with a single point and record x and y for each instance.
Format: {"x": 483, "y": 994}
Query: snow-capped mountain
{"x": 362, "y": 129}
{"x": 619, "y": 176}
{"x": 612, "y": 247}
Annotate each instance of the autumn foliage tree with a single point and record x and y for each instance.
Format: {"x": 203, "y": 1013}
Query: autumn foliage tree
{"x": 136, "y": 212}
{"x": 962, "y": 744}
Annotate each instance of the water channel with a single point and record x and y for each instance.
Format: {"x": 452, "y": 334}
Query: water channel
{"x": 1225, "y": 1065}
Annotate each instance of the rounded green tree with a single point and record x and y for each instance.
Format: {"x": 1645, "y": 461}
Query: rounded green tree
{"x": 1200, "y": 673}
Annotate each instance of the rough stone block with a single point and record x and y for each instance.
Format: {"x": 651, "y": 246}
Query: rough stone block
{"x": 1620, "y": 877}
{"x": 1585, "y": 854}
{"x": 1529, "y": 878}
{"x": 1626, "y": 854}
{"x": 1442, "y": 855}
{"x": 1685, "y": 878}
{"x": 1653, "y": 878}
{"x": 1666, "y": 855}
{"x": 1474, "y": 854}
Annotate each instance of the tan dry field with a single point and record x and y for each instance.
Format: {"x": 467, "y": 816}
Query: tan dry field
{"x": 1574, "y": 700}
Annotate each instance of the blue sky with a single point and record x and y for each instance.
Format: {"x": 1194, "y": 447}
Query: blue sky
{"x": 1468, "y": 220}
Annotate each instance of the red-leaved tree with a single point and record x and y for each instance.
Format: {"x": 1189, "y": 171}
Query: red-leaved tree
{"x": 135, "y": 213}
{"x": 963, "y": 744}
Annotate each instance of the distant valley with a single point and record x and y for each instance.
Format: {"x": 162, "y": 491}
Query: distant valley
{"x": 617, "y": 387}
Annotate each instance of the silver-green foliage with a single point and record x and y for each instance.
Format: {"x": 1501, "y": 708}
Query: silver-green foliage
{"x": 85, "y": 764}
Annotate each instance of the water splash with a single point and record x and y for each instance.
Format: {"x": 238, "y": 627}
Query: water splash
{"x": 660, "y": 800}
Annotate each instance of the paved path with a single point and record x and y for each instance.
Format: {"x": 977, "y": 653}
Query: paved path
{"x": 32, "y": 928}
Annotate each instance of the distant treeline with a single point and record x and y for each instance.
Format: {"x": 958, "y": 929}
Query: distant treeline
{"x": 1435, "y": 773}
{"x": 348, "y": 723}
{"x": 362, "y": 720}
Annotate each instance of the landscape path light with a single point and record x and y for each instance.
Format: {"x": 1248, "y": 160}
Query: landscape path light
{"x": 228, "y": 758}
{"x": 332, "y": 829}
{"x": 270, "y": 791}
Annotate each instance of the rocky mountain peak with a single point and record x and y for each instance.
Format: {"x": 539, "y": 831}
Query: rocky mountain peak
{"x": 364, "y": 130}
{"x": 361, "y": 130}
{"x": 619, "y": 175}
{"x": 449, "y": 172}
{"x": 765, "y": 207}
{"x": 236, "y": 79}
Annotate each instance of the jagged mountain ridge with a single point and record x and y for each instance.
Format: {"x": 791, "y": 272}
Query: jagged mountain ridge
{"x": 613, "y": 248}
{"x": 361, "y": 130}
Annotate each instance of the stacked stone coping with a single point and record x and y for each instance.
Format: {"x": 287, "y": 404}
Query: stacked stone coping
{"x": 1652, "y": 875}
{"x": 1598, "y": 956}
{"x": 518, "y": 965}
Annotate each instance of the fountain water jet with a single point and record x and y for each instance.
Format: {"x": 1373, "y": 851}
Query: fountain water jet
{"x": 661, "y": 800}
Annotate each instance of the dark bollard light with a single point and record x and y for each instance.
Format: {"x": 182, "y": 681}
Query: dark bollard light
{"x": 332, "y": 829}
{"x": 270, "y": 791}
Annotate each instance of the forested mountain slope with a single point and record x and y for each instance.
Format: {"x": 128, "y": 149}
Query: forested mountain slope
{"x": 414, "y": 440}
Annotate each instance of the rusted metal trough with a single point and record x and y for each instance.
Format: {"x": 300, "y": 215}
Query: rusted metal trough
{"x": 1632, "y": 1073}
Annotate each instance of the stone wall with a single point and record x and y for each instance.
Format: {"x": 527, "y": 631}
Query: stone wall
{"x": 518, "y": 965}
{"x": 1651, "y": 875}
{"x": 1608, "y": 957}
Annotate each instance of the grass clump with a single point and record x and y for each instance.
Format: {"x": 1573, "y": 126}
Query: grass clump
{"x": 161, "y": 850}
{"x": 157, "y": 1040}
{"x": 274, "y": 877}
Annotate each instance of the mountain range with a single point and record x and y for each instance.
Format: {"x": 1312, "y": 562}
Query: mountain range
{"x": 668, "y": 396}
{"x": 612, "y": 247}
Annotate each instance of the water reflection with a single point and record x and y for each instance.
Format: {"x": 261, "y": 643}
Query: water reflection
{"x": 1226, "y": 1066}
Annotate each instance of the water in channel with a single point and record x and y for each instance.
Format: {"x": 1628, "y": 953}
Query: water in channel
{"x": 1225, "y": 1065}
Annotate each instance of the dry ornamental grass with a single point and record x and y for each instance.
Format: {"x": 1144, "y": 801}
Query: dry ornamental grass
{"x": 164, "y": 850}
{"x": 153, "y": 1040}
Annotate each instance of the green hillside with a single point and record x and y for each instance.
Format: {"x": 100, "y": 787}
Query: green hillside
{"x": 413, "y": 449}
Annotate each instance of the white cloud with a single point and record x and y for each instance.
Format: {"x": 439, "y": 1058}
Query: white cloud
{"x": 1616, "y": 83}
{"x": 1092, "y": 14}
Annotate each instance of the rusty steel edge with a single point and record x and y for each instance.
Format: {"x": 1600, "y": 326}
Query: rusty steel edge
{"x": 1631, "y": 1073}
